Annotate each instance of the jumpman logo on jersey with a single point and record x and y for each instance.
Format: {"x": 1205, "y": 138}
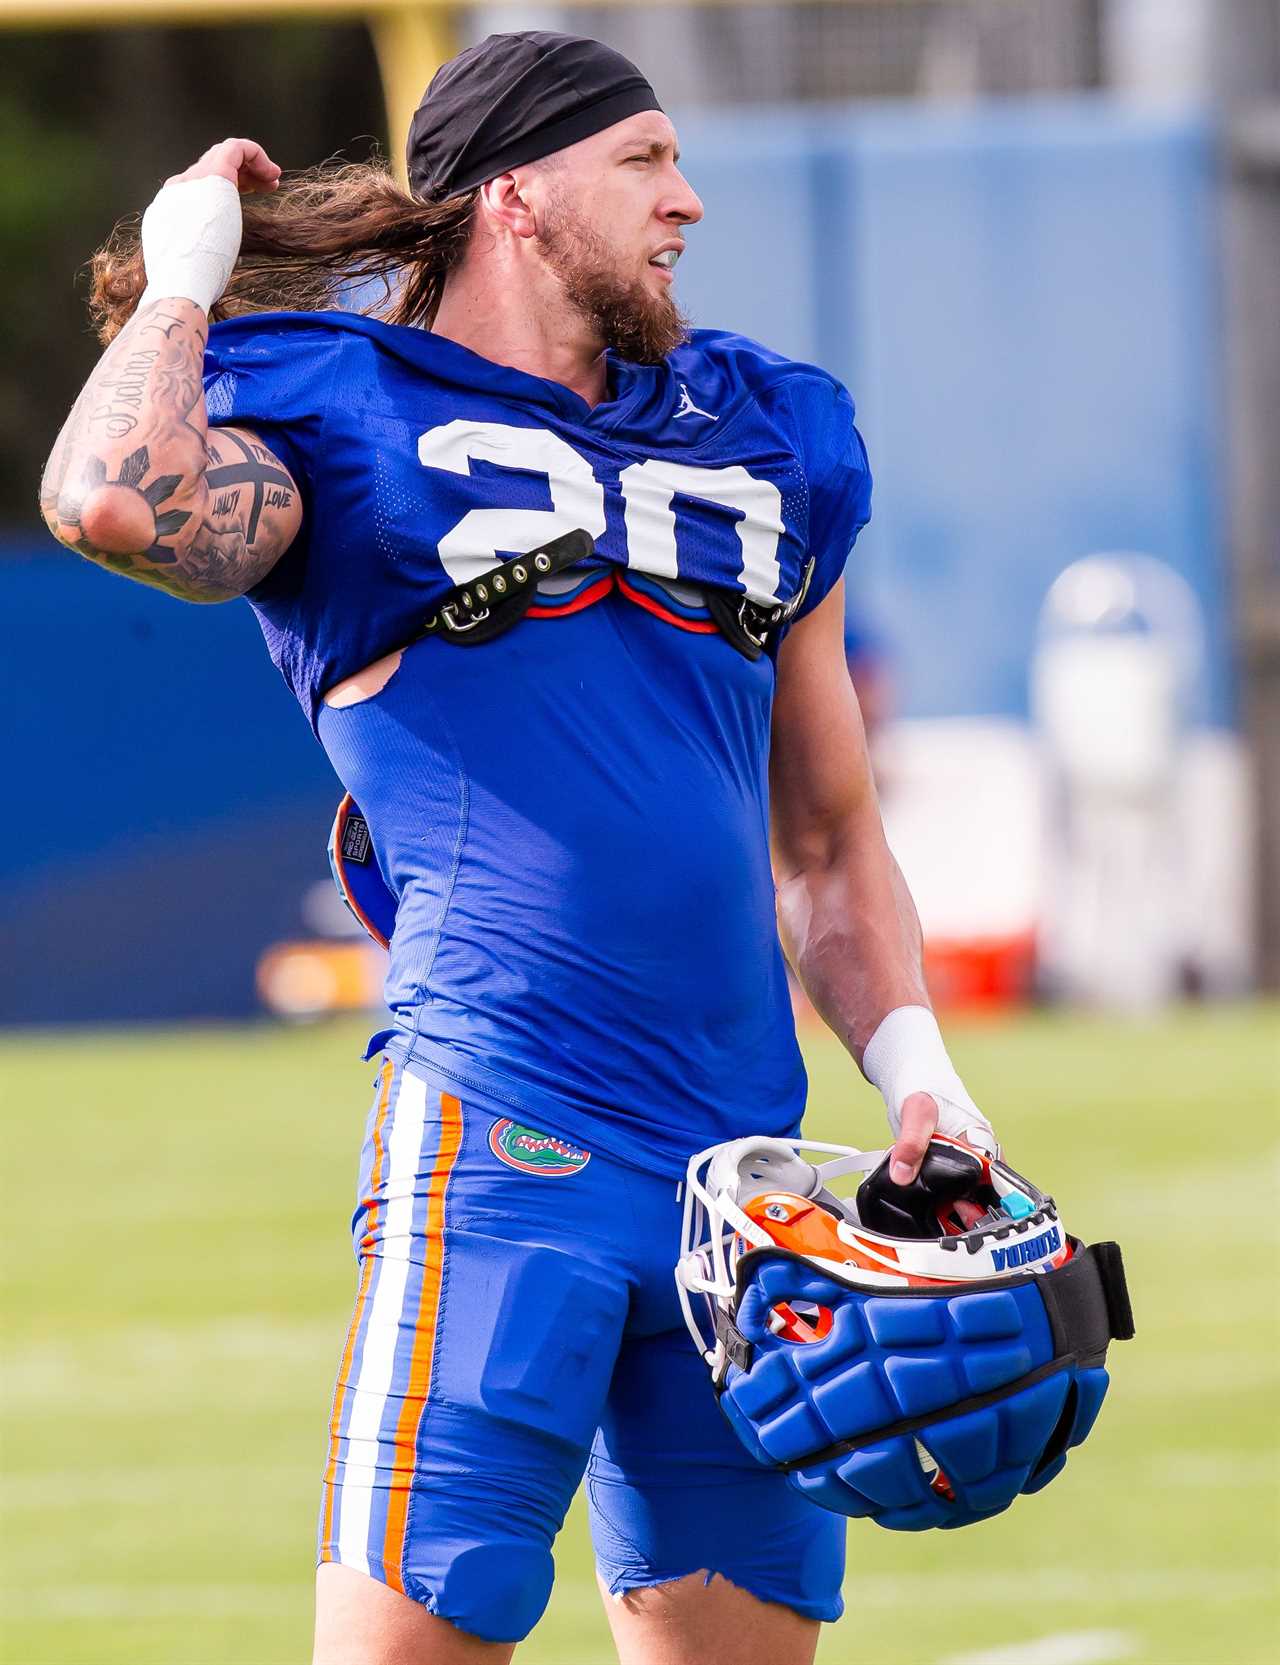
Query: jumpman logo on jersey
{"x": 688, "y": 408}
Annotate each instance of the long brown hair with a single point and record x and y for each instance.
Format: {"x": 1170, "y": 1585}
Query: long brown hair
{"x": 324, "y": 229}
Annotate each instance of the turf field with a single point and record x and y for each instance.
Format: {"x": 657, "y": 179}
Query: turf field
{"x": 178, "y": 1283}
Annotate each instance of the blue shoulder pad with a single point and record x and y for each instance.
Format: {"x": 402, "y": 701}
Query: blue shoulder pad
{"x": 922, "y": 1407}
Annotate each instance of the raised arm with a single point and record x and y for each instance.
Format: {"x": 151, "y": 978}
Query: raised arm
{"x": 846, "y": 917}
{"x": 136, "y": 481}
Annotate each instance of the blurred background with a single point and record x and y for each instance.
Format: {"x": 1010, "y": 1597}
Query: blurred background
{"x": 1037, "y": 238}
{"x": 1040, "y": 241}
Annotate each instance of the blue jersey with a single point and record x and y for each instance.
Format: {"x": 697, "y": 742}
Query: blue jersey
{"x": 572, "y": 817}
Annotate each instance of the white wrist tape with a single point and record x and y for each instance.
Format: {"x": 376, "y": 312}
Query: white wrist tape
{"x": 190, "y": 240}
{"x": 907, "y": 1055}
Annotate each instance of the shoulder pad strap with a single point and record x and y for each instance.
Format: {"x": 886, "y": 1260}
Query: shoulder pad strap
{"x": 499, "y": 598}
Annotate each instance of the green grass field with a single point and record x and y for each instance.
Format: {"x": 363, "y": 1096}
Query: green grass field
{"x": 179, "y": 1278}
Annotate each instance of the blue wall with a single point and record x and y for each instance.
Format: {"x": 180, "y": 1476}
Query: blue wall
{"x": 1022, "y": 300}
{"x": 166, "y": 803}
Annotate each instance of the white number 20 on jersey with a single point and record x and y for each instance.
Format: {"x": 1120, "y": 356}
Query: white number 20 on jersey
{"x": 577, "y": 499}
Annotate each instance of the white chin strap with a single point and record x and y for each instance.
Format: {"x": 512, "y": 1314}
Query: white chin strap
{"x": 747, "y": 1168}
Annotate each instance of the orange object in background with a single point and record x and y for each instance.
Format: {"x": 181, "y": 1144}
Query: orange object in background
{"x": 311, "y": 979}
{"x": 983, "y": 972}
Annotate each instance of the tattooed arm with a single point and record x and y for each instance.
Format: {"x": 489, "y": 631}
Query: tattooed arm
{"x": 139, "y": 484}
{"x": 136, "y": 481}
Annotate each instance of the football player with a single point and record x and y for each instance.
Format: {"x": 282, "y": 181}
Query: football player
{"x": 557, "y": 584}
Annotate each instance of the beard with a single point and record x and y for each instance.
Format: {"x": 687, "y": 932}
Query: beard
{"x": 638, "y": 325}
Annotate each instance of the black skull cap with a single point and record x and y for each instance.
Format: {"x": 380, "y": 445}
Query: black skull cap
{"x": 512, "y": 99}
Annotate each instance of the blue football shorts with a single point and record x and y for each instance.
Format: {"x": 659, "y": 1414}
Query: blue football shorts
{"x": 516, "y": 1326}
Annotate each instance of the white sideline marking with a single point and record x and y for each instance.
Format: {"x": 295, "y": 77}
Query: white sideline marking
{"x": 1065, "y": 1647}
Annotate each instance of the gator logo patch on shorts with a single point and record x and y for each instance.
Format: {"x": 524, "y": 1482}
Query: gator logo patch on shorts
{"x": 533, "y": 1152}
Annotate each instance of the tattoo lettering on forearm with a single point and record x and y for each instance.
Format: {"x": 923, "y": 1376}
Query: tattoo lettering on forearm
{"x": 202, "y": 515}
{"x": 137, "y": 381}
{"x": 126, "y": 391}
{"x": 165, "y": 323}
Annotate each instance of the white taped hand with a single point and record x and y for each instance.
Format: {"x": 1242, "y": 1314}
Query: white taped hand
{"x": 191, "y": 240}
{"x": 907, "y": 1055}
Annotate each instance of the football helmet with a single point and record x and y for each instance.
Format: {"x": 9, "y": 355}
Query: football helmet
{"x": 920, "y": 1355}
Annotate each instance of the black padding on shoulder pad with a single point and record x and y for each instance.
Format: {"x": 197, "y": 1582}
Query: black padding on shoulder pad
{"x": 1116, "y": 1289}
{"x": 750, "y": 626}
{"x": 1088, "y": 1303}
{"x": 496, "y": 600}
{"x": 732, "y": 612}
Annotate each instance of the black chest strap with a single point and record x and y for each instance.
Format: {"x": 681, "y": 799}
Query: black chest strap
{"x": 492, "y": 603}
{"x": 499, "y": 598}
{"x": 750, "y": 626}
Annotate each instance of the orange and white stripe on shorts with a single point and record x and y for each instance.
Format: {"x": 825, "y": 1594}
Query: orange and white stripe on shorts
{"x": 386, "y": 1371}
